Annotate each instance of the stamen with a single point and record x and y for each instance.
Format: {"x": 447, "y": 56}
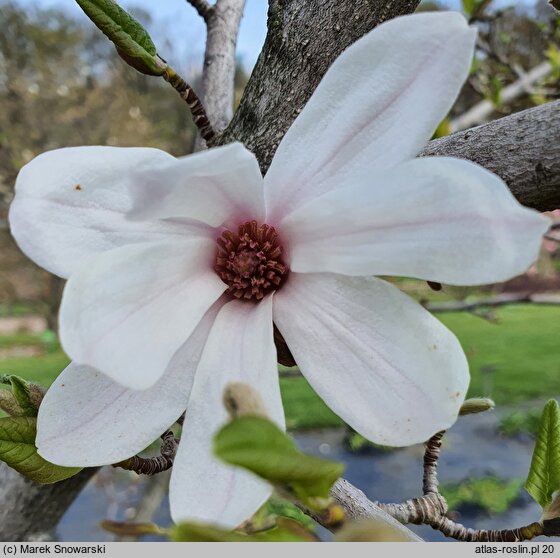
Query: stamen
{"x": 250, "y": 261}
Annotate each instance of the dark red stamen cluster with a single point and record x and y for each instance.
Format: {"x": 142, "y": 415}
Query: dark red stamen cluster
{"x": 250, "y": 261}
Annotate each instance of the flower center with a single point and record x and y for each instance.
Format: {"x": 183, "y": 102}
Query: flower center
{"x": 250, "y": 261}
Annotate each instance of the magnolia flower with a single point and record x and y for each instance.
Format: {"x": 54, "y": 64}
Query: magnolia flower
{"x": 178, "y": 268}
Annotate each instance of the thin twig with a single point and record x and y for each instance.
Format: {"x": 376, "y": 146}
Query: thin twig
{"x": 204, "y": 9}
{"x": 431, "y": 457}
{"x": 431, "y": 509}
{"x": 153, "y": 465}
{"x": 493, "y": 302}
{"x": 200, "y": 118}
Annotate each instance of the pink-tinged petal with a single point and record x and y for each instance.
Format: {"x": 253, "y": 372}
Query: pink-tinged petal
{"x": 71, "y": 203}
{"x": 378, "y": 359}
{"x": 86, "y": 419}
{"x": 377, "y": 105}
{"x": 128, "y": 310}
{"x": 433, "y": 218}
{"x": 220, "y": 186}
{"x": 240, "y": 348}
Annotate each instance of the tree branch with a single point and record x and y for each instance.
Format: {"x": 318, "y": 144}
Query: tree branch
{"x": 204, "y": 9}
{"x": 200, "y": 117}
{"x": 31, "y": 510}
{"x": 522, "y": 149}
{"x": 153, "y": 465}
{"x": 303, "y": 40}
{"x": 219, "y": 60}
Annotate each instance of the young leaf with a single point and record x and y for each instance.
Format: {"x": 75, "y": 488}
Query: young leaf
{"x": 197, "y": 532}
{"x": 258, "y": 445}
{"x": 469, "y": 6}
{"x": 131, "y": 40}
{"x": 21, "y": 393}
{"x": 544, "y": 475}
{"x": 130, "y": 529}
{"x": 17, "y": 449}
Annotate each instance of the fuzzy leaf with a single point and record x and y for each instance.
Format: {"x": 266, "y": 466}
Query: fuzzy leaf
{"x": 131, "y": 40}
{"x": 258, "y": 445}
{"x": 197, "y": 532}
{"x": 20, "y": 391}
{"x": 130, "y": 529}
{"x": 17, "y": 449}
{"x": 544, "y": 475}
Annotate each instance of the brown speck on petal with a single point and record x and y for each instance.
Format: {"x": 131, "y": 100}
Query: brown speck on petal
{"x": 78, "y": 188}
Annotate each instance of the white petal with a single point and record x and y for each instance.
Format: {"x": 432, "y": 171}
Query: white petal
{"x": 220, "y": 186}
{"x": 380, "y": 361}
{"x": 71, "y": 203}
{"x": 440, "y": 219}
{"x": 377, "y": 105}
{"x": 128, "y": 310}
{"x": 86, "y": 419}
{"x": 239, "y": 349}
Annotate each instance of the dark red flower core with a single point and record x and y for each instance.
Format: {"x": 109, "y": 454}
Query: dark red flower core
{"x": 250, "y": 261}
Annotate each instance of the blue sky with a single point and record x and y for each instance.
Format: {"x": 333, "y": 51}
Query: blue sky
{"x": 177, "y": 21}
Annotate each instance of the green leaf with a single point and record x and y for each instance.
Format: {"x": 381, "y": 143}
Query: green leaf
{"x": 258, "y": 445}
{"x": 197, "y": 532}
{"x": 132, "y": 41}
{"x": 469, "y": 6}
{"x": 20, "y": 391}
{"x": 544, "y": 475}
{"x": 130, "y": 529}
{"x": 17, "y": 449}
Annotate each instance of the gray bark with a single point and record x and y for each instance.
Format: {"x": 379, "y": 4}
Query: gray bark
{"x": 219, "y": 61}
{"x": 304, "y": 38}
{"x": 30, "y": 511}
{"x": 523, "y": 149}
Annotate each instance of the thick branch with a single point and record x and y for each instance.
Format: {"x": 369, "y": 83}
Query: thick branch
{"x": 522, "y": 149}
{"x": 219, "y": 61}
{"x": 304, "y": 38}
{"x": 29, "y": 510}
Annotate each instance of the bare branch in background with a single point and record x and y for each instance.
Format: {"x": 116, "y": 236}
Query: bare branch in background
{"x": 483, "y": 110}
{"x": 521, "y": 148}
{"x": 493, "y": 302}
{"x": 219, "y": 61}
{"x": 204, "y": 9}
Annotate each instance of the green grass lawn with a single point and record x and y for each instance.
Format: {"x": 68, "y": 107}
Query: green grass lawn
{"x": 513, "y": 360}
